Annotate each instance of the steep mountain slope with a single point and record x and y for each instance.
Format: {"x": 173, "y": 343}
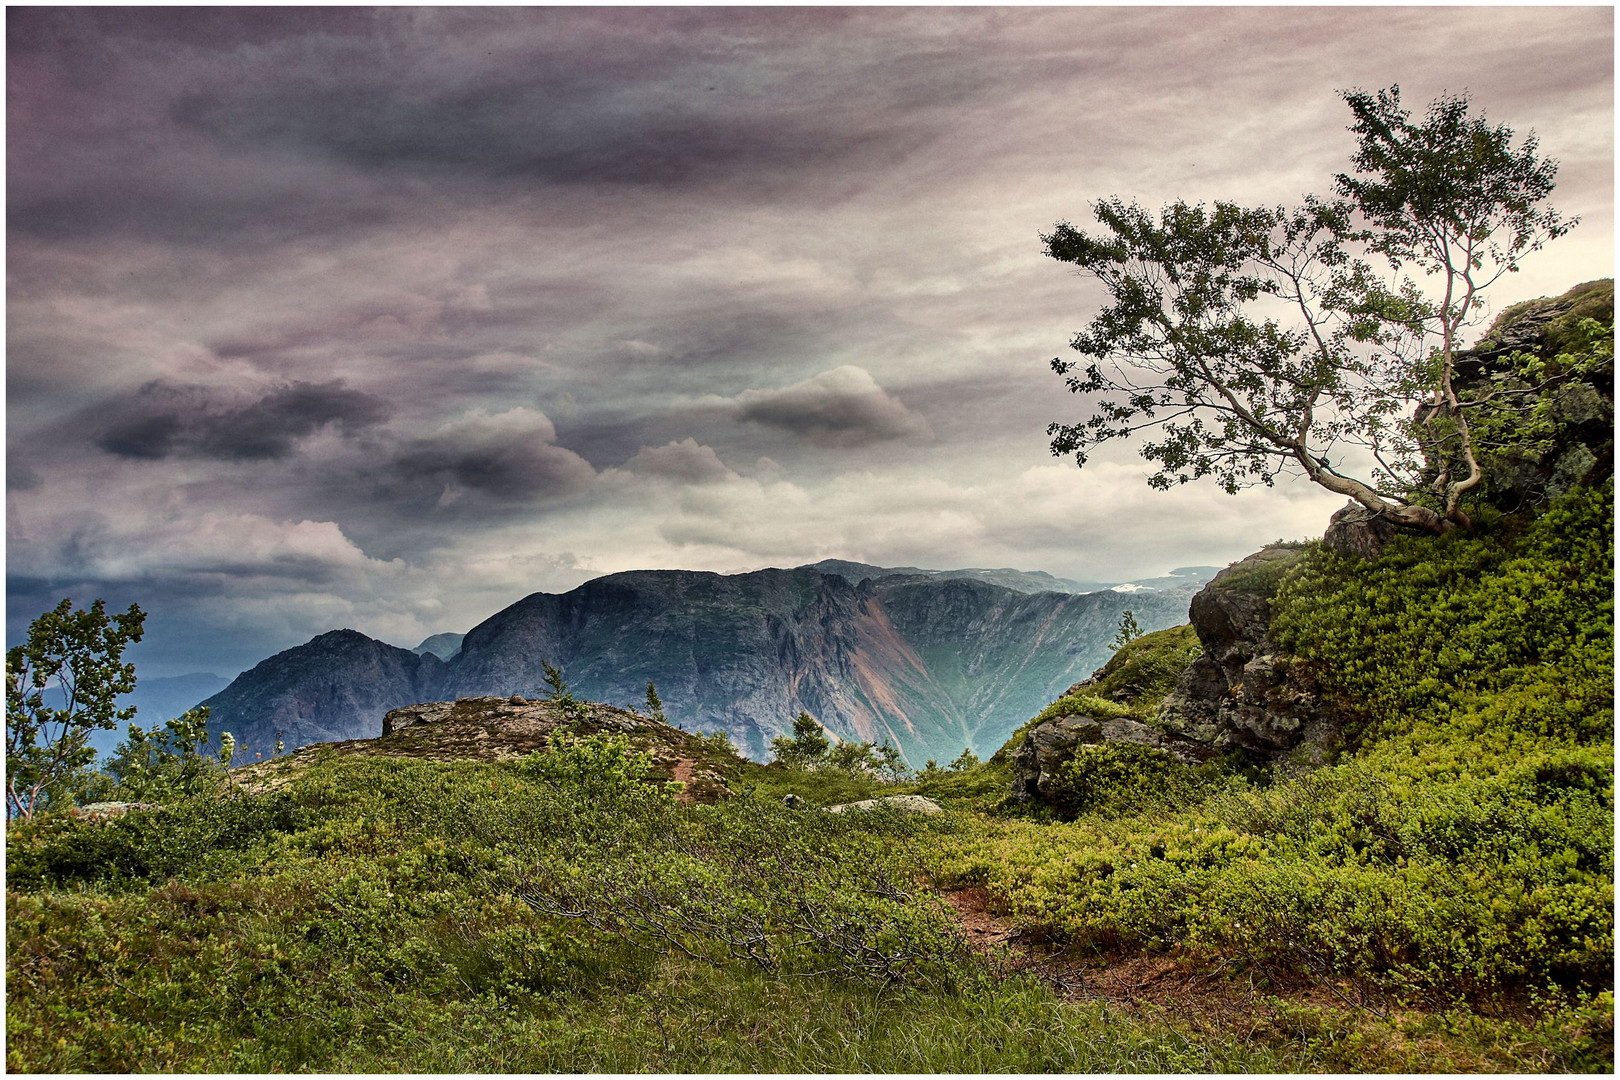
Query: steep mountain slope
{"x": 931, "y": 664}
{"x": 333, "y": 687}
{"x": 725, "y": 651}
{"x": 1000, "y": 656}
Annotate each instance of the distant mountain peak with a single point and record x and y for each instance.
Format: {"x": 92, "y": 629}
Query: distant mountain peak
{"x": 444, "y": 646}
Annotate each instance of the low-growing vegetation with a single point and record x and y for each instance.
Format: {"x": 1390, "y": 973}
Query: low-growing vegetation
{"x": 388, "y": 914}
{"x": 1459, "y": 854}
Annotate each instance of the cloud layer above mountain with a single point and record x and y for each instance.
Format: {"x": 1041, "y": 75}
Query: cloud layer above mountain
{"x": 384, "y": 317}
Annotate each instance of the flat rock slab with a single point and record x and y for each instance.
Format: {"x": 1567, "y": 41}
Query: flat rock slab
{"x": 915, "y": 804}
{"x": 108, "y": 809}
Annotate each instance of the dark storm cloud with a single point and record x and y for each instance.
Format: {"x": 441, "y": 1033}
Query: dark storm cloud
{"x": 358, "y": 110}
{"x": 553, "y": 135}
{"x": 20, "y": 476}
{"x": 841, "y": 407}
{"x": 165, "y": 420}
{"x": 510, "y": 457}
{"x": 257, "y": 210}
{"x": 101, "y": 31}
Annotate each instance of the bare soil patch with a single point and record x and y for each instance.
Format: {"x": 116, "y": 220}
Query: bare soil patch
{"x": 1209, "y": 992}
{"x": 681, "y": 772}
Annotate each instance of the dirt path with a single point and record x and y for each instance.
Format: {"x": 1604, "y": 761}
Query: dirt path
{"x": 682, "y": 771}
{"x": 1215, "y": 993}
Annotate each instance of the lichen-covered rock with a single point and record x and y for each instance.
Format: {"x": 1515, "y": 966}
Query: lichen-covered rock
{"x": 1571, "y": 413}
{"x": 1242, "y": 692}
{"x": 1356, "y": 530}
{"x": 504, "y": 728}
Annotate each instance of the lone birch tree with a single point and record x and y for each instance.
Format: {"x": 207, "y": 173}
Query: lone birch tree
{"x": 1249, "y": 343}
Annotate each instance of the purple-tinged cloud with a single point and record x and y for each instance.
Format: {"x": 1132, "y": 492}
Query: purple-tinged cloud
{"x": 164, "y": 420}
{"x": 685, "y": 461}
{"x": 509, "y": 457}
{"x": 841, "y": 407}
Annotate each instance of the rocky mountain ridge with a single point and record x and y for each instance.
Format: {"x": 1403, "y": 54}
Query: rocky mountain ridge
{"x": 930, "y": 663}
{"x": 1024, "y": 581}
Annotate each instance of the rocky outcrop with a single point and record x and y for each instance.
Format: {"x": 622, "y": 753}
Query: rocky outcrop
{"x": 1572, "y": 411}
{"x": 1243, "y": 692}
{"x": 1356, "y": 530}
{"x": 499, "y": 727}
{"x": 505, "y": 728}
{"x": 1052, "y": 744}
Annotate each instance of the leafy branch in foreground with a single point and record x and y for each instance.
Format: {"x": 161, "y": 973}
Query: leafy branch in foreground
{"x": 1254, "y": 343}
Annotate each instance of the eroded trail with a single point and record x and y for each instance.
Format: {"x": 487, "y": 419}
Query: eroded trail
{"x": 682, "y": 772}
{"x": 1218, "y": 993}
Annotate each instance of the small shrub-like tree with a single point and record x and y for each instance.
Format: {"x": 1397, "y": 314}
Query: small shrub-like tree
{"x": 167, "y": 760}
{"x": 806, "y": 748}
{"x": 1129, "y": 631}
{"x": 655, "y": 705}
{"x": 556, "y": 690}
{"x": 61, "y": 685}
{"x": 854, "y": 757}
{"x": 891, "y": 764}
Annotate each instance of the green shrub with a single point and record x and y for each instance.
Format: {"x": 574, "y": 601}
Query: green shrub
{"x": 751, "y": 881}
{"x": 1148, "y": 668}
{"x": 1082, "y": 705}
{"x": 194, "y": 836}
{"x": 1445, "y": 624}
{"x": 1115, "y": 778}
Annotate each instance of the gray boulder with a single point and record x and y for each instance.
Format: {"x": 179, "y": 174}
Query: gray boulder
{"x": 1356, "y": 530}
{"x": 1243, "y": 692}
{"x": 914, "y": 804}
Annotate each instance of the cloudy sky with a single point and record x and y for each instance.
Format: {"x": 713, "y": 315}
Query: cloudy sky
{"x": 384, "y": 318}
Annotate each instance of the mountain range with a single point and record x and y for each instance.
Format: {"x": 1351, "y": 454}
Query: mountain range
{"x": 932, "y": 661}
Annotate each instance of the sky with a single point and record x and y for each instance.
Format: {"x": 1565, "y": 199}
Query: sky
{"x": 385, "y": 318}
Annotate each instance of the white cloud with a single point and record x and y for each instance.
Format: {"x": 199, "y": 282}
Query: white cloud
{"x": 685, "y": 461}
